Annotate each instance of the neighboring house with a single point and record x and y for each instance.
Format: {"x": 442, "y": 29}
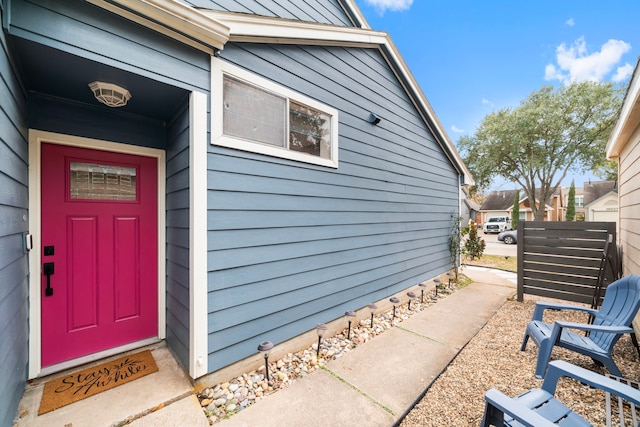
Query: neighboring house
{"x": 624, "y": 145}
{"x": 273, "y": 168}
{"x": 500, "y": 203}
{"x": 601, "y": 201}
{"x": 497, "y": 204}
{"x": 468, "y": 208}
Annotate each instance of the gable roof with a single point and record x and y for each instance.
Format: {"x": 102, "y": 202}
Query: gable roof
{"x": 214, "y": 29}
{"x": 595, "y": 190}
{"x": 499, "y": 200}
{"x": 502, "y": 200}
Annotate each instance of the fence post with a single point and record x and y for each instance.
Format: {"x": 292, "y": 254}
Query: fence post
{"x": 520, "y": 240}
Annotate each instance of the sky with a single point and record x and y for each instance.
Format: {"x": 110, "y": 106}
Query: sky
{"x": 473, "y": 57}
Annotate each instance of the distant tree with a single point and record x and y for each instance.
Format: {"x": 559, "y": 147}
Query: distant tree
{"x": 537, "y": 143}
{"x": 515, "y": 212}
{"x": 474, "y": 245}
{"x": 571, "y": 203}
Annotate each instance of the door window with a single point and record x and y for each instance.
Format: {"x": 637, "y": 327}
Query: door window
{"x": 91, "y": 181}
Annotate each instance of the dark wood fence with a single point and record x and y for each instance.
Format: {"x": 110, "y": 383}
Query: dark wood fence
{"x": 563, "y": 259}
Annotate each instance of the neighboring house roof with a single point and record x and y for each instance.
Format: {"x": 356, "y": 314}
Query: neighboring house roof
{"x": 628, "y": 118}
{"x": 503, "y": 200}
{"x": 594, "y": 191}
{"x": 499, "y": 200}
{"x": 217, "y": 28}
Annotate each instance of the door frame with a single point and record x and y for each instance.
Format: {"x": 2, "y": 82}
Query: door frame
{"x": 36, "y": 138}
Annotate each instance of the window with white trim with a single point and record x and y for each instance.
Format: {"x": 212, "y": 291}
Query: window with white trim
{"x": 251, "y": 113}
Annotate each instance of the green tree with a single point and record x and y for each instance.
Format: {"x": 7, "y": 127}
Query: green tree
{"x": 515, "y": 212}
{"x": 571, "y": 203}
{"x": 537, "y": 143}
{"x": 474, "y": 245}
{"x": 455, "y": 240}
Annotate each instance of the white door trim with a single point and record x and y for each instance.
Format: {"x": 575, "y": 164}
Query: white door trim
{"x": 36, "y": 138}
{"x": 198, "y": 325}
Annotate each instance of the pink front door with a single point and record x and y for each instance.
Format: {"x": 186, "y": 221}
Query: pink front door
{"x": 99, "y": 251}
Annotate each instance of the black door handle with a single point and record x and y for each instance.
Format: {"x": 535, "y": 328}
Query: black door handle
{"x": 48, "y": 269}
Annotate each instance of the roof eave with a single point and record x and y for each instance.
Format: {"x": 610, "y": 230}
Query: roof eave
{"x": 628, "y": 119}
{"x": 260, "y": 29}
{"x": 170, "y": 17}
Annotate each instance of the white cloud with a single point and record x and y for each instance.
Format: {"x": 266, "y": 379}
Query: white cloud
{"x": 622, "y": 73}
{"x": 487, "y": 102}
{"x": 457, "y": 129}
{"x": 394, "y": 5}
{"x": 575, "y": 64}
{"x": 570, "y": 22}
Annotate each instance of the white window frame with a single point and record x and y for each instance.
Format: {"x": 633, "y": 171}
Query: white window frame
{"x": 219, "y": 69}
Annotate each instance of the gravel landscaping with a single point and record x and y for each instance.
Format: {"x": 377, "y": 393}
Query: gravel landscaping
{"x": 493, "y": 359}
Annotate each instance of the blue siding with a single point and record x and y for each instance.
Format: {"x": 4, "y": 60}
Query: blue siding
{"x": 13, "y": 262}
{"x": 292, "y": 244}
{"x": 322, "y": 11}
{"x": 52, "y": 115}
{"x": 84, "y": 30}
{"x": 177, "y": 245}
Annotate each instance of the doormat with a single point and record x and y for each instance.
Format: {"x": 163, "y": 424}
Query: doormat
{"x": 91, "y": 381}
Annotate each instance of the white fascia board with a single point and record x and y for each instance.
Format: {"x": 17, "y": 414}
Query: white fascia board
{"x": 256, "y": 29}
{"x": 260, "y": 29}
{"x": 172, "y": 18}
{"x": 628, "y": 118}
{"x": 352, "y": 9}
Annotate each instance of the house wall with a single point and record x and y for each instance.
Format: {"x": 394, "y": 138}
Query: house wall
{"x": 629, "y": 205}
{"x": 177, "y": 191}
{"x": 604, "y": 209}
{"x": 13, "y": 260}
{"x": 322, "y": 11}
{"x": 293, "y": 244}
{"x": 82, "y": 29}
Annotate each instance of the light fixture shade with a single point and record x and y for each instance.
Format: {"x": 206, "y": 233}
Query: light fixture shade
{"x": 411, "y": 295}
{"x": 321, "y": 328}
{"x": 372, "y": 307}
{"x": 265, "y": 347}
{"x": 394, "y": 300}
{"x": 110, "y": 94}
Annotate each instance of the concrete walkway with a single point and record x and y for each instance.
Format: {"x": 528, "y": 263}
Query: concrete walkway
{"x": 379, "y": 381}
{"x": 375, "y": 384}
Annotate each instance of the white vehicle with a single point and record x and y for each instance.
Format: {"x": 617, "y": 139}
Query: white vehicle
{"x": 497, "y": 224}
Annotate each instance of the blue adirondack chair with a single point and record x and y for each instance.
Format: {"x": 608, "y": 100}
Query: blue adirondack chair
{"x": 619, "y": 307}
{"x": 539, "y": 407}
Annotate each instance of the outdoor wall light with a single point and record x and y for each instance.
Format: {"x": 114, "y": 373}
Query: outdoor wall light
{"x": 349, "y": 315}
{"x": 437, "y": 281}
{"x": 395, "y": 301}
{"x": 110, "y": 94}
{"x": 422, "y": 285}
{"x": 372, "y": 308}
{"x": 373, "y": 119}
{"x": 265, "y": 348}
{"x": 321, "y": 328}
{"x": 411, "y": 296}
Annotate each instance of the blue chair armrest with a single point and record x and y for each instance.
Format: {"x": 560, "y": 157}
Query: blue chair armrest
{"x": 588, "y": 327}
{"x": 541, "y": 306}
{"x": 560, "y": 368}
{"x": 515, "y": 409}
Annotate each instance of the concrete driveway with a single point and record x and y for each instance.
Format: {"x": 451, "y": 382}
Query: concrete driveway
{"x": 494, "y": 247}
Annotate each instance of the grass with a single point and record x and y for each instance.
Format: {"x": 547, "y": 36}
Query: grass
{"x": 508, "y": 263}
